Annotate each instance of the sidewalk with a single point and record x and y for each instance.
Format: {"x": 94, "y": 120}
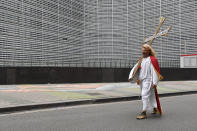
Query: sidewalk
{"x": 38, "y": 94}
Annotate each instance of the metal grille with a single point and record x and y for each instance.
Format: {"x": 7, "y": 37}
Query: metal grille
{"x": 93, "y": 33}
{"x": 41, "y": 32}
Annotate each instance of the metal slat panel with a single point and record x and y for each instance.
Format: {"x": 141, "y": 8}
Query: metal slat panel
{"x": 93, "y": 33}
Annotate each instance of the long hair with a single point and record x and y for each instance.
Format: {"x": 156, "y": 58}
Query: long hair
{"x": 148, "y": 47}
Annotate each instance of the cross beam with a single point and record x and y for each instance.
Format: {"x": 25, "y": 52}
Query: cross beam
{"x": 162, "y": 19}
{"x": 165, "y": 32}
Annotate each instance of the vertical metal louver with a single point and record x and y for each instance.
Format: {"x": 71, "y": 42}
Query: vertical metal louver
{"x": 93, "y": 33}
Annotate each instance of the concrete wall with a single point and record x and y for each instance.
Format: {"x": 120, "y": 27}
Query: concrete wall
{"x": 36, "y": 75}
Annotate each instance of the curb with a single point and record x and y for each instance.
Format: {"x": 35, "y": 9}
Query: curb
{"x": 7, "y": 110}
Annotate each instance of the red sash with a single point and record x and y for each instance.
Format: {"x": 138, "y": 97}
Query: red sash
{"x": 156, "y": 67}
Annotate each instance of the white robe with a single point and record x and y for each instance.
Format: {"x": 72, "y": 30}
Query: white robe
{"x": 147, "y": 77}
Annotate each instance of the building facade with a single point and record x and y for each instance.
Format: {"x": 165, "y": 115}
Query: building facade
{"x": 93, "y": 33}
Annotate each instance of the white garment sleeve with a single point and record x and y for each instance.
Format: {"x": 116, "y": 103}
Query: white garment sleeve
{"x": 132, "y": 70}
{"x": 155, "y": 78}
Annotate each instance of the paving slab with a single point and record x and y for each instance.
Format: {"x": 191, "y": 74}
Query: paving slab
{"x": 32, "y": 94}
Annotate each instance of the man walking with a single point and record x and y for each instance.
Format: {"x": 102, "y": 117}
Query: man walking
{"x": 149, "y": 75}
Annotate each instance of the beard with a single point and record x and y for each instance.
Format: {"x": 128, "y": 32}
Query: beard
{"x": 145, "y": 54}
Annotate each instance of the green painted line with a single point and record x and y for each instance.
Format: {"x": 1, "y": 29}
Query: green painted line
{"x": 133, "y": 90}
{"x": 166, "y": 89}
{"x": 71, "y": 95}
{"x": 160, "y": 90}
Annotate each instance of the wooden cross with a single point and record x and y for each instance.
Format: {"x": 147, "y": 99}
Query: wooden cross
{"x": 150, "y": 41}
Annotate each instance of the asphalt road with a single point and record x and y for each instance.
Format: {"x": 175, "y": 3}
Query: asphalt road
{"x": 180, "y": 114}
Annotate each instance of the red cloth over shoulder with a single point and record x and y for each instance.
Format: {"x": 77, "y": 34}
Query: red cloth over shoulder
{"x": 155, "y": 63}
